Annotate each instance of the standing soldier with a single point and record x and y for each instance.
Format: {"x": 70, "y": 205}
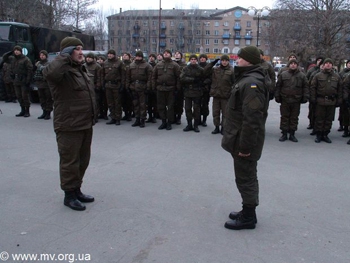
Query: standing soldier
{"x": 292, "y": 89}
{"x": 244, "y": 134}
{"x": 8, "y": 81}
{"x": 22, "y": 69}
{"x": 222, "y": 80}
{"x": 270, "y": 72}
{"x": 126, "y": 98}
{"x": 113, "y": 78}
{"x": 179, "y": 95}
{"x": 138, "y": 80}
{"x": 343, "y": 117}
{"x": 102, "y": 103}
{"x": 152, "y": 95}
{"x": 192, "y": 79}
{"x": 166, "y": 79}
{"x": 45, "y": 96}
{"x": 326, "y": 94}
{"x": 93, "y": 69}
{"x": 206, "y": 88}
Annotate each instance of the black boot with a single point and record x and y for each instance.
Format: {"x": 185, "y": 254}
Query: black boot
{"x": 216, "y": 130}
{"x": 117, "y": 122}
{"x": 178, "y": 119}
{"x": 82, "y": 197}
{"x": 346, "y": 131}
{"x": 42, "y": 116}
{"x": 136, "y": 123}
{"x": 292, "y": 137}
{"x": 26, "y": 112}
{"x": 348, "y": 142}
{"x": 168, "y": 126}
{"x": 325, "y": 137}
{"x": 234, "y": 215}
{"x": 142, "y": 123}
{"x": 21, "y": 114}
{"x": 112, "y": 121}
{"x": 246, "y": 219}
{"x": 195, "y": 127}
{"x": 204, "y": 122}
{"x": 189, "y": 126}
{"x": 313, "y": 132}
{"x": 222, "y": 130}
{"x": 163, "y": 125}
{"x": 283, "y": 137}
{"x": 318, "y": 137}
{"x": 48, "y": 115}
{"x": 70, "y": 200}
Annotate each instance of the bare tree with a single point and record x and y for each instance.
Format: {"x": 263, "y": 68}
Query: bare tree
{"x": 79, "y": 11}
{"x": 97, "y": 26}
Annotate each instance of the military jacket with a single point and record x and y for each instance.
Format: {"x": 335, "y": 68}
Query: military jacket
{"x": 112, "y": 73}
{"x": 22, "y": 70}
{"x": 191, "y": 79}
{"x": 271, "y": 73}
{"x": 326, "y": 88}
{"x": 166, "y": 76}
{"x": 39, "y": 79}
{"x": 292, "y": 86}
{"x": 139, "y": 76}
{"x": 94, "y": 69}
{"x": 222, "y": 80}
{"x": 246, "y": 113}
{"x": 73, "y": 94}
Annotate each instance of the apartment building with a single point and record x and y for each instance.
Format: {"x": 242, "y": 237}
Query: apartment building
{"x": 210, "y": 31}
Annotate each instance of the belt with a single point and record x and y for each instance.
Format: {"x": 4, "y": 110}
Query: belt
{"x": 327, "y": 97}
{"x": 111, "y": 82}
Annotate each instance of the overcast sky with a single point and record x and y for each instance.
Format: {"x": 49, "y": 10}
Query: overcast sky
{"x": 181, "y": 4}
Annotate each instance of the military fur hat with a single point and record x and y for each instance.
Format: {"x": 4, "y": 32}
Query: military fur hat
{"x": 112, "y": 51}
{"x": 250, "y": 54}
{"x": 292, "y": 61}
{"x": 193, "y": 56}
{"x": 225, "y": 57}
{"x": 70, "y": 41}
{"x": 328, "y": 60}
{"x": 203, "y": 56}
{"x": 17, "y": 48}
{"x": 44, "y": 52}
{"x": 168, "y": 51}
{"x": 139, "y": 54}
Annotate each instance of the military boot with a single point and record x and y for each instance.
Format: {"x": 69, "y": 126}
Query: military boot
{"x": 216, "y": 130}
{"x": 283, "y": 137}
{"x": 313, "y": 132}
{"x": 325, "y": 137}
{"x": 21, "y": 114}
{"x": 178, "y": 119}
{"x": 346, "y": 131}
{"x": 83, "y": 197}
{"x": 348, "y": 142}
{"x": 292, "y": 137}
{"x": 195, "y": 127}
{"x": 234, "y": 215}
{"x": 136, "y": 123}
{"x": 204, "y": 121}
{"x": 142, "y": 123}
{"x": 163, "y": 125}
{"x": 189, "y": 126}
{"x": 26, "y": 112}
{"x": 318, "y": 137}
{"x": 48, "y": 115}
{"x": 246, "y": 219}
{"x": 42, "y": 116}
{"x": 168, "y": 126}
{"x": 222, "y": 130}
{"x": 70, "y": 200}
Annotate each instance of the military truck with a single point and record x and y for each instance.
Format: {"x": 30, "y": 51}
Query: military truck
{"x": 33, "y": 39}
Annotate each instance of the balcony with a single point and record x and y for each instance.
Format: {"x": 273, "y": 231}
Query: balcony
{"x": 162, "y": 35}
{"x": 226, "y": 36}
{"x": 162, "y": 26}
{"x": 237, "y": 28}
{"x": 237, "y": 37}
{"x": 135, "y": 35}
{"x": 162, "y": 44}
{"x": 248, "y": 37}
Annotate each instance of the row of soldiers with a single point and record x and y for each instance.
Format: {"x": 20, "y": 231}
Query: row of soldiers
{"x": 323, "y": 87}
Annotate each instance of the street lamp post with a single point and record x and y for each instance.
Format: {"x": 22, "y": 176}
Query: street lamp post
{"x": 265, "y": 11}
{"x": 159, "y": 22}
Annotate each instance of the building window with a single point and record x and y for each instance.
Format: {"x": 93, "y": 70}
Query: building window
{"x": 171, "y": 23}
{"x": 248, "y": 42}
{"x": 145, "y": 23}
{"x": 127, "y": 32}
{"x": 154, "y": 23}
{"x": 154, "y": 41}
{"x": 236, "y": 42}
{"x": 216, "y": 23}
{"x": 207, "y": 50}
{"x": 120, "y": 23}
{"x": 225, "y": 51}
{"x": 215, "y": 50}
{"x": 225, "y": 41}
{"x": 198, "y": 50}
{"x": 249, "y": 32}
{"x": 198, "y": 32}
{"x": 120, "y": 32}
{"x": 207, "y": 32}
{"x": 171, "y": 32}
{"x": 144, "y": 32}
{"x": 216, "y": 32}
{"x": 190, "y": 32}
{"x": 216, "y": 41}
{"x": 171, "y": 40}
{"x": 249, "y": 23}
{"x": 226, "y": 31}
{"x": 197, "y": 41}
{"x": 225, "y": 23}
{"x": 207, "y": 23}
{"x": 207, "y": 41}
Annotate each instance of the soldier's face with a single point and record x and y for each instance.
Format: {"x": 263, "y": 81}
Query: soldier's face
{"x": 42, "y": 56}
{"x": 193, "y": 61}
{"x": 202, "y": 60}
{"x": 17, "y": 52}
{"x": 242, "y": 63}
{"x": 166, "y": 55}
{"x": 89, "y": 60}
{"x": 159, "y": 58}
{"x": 126, "y": 57}
{"x": 327, "y": 65}
{"x": 224, "y": 62}
{"x": 77, "y": 54}
{"x": 110, "y": 56}
{"x": 348, "y": 65}
{"x": 293, "y": 65}
{"x": 151, "y": 59}
{"x": 137, "y": 58}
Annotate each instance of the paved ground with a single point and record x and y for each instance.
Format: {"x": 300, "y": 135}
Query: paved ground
{"x": 163, "y": 196}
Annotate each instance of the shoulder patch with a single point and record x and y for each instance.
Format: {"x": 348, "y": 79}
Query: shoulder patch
{"x": 253, "y": 86}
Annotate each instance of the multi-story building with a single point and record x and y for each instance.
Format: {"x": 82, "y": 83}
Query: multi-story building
{"x": 188, "y": 30}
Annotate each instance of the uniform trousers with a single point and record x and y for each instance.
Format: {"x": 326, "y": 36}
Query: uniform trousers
{"x": 113, "y": 101}
{"x": 139, "y": 101}
{"x": 289, "y": 116}
{"x": 194, "y": 102}
{"x": 74, "y": 148}
{"x": 324, "y": 117}
{"x": 219, "y": 107}
{"x": 45, "y": 98}
{"x": 22, "y": 93}
{"x": 166, "y": 100}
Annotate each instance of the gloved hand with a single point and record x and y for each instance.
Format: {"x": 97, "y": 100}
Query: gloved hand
{"x": 215, "y": 61}
{"x": 278, "y": 99}
{"x": 271, "y": 95}
{"x": 303, "y": 101}
{"x": 68, "y": 51}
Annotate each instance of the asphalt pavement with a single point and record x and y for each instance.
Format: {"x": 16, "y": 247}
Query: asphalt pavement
{"x": 164, "y": 196}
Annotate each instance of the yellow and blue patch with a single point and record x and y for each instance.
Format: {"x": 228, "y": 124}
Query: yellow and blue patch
{"x": 253, "y": 86}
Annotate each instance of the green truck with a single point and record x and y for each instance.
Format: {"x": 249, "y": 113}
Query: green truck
{"x": 32, "y": 40}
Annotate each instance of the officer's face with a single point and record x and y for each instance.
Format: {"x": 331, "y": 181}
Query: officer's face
{"x": 77, "y": 54}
